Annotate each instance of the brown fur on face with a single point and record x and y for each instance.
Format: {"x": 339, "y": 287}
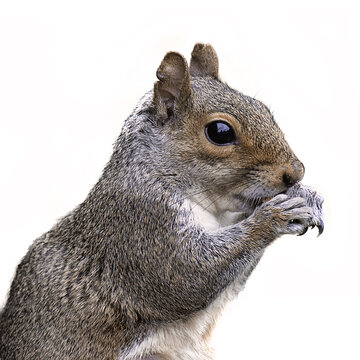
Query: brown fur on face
{"x": 259, "y": 164}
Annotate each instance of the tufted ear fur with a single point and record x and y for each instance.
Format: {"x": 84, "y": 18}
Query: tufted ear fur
{"x": 204, "y": 61}
{"x": 173, "y": 88}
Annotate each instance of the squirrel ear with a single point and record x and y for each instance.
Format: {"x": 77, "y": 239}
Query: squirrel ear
{"x": 204, "y": 61}
{"x": 173, "y": 87}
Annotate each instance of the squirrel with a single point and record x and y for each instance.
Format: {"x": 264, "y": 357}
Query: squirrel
{"x": 201, "y": 181}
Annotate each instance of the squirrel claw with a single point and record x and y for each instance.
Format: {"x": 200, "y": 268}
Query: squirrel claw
{"x": 304, "y": 232}
{"x": 320, "y": 227}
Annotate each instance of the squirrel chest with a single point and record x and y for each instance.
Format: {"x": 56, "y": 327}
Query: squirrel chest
{"x": 190, "y": 338}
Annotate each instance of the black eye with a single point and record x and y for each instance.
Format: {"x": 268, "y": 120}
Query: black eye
{"x": 220, "y": 133}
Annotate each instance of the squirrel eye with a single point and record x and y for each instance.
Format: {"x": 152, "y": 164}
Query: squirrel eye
{"x": 220, "y": 133}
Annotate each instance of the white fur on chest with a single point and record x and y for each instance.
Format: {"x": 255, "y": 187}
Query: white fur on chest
{"x": 209, "y": 216}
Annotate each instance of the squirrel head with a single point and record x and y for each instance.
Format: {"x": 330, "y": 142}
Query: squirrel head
{"x": 226, "y": 144}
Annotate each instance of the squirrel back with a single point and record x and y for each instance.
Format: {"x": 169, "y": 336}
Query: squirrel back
{"x": 200, "y": 182}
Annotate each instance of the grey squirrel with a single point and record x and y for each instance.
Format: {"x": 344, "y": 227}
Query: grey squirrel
{"x": 200, "y": 182}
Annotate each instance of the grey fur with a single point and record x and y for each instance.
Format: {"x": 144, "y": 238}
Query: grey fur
{"x": 131, "y": 258}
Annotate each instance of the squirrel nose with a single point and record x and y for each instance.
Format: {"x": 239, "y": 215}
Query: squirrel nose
{"x": 291, "y": 176}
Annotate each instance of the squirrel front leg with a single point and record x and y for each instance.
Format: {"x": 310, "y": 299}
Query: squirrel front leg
{"x": 210, "y": 261}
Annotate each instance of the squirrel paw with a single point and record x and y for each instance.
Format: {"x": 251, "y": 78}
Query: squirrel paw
{"x": 313, "y": 200}
{"x": 287, "y": 215}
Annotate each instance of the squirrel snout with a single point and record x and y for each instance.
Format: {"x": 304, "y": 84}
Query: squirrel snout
{"x": 293, "y": 174}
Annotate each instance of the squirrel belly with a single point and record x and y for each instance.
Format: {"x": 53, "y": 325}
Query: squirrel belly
{"x": 190, "y": 338}
{"x": 201, "y": 181}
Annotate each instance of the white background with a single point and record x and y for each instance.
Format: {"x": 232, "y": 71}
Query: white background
{"x": 71, "y": 72}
